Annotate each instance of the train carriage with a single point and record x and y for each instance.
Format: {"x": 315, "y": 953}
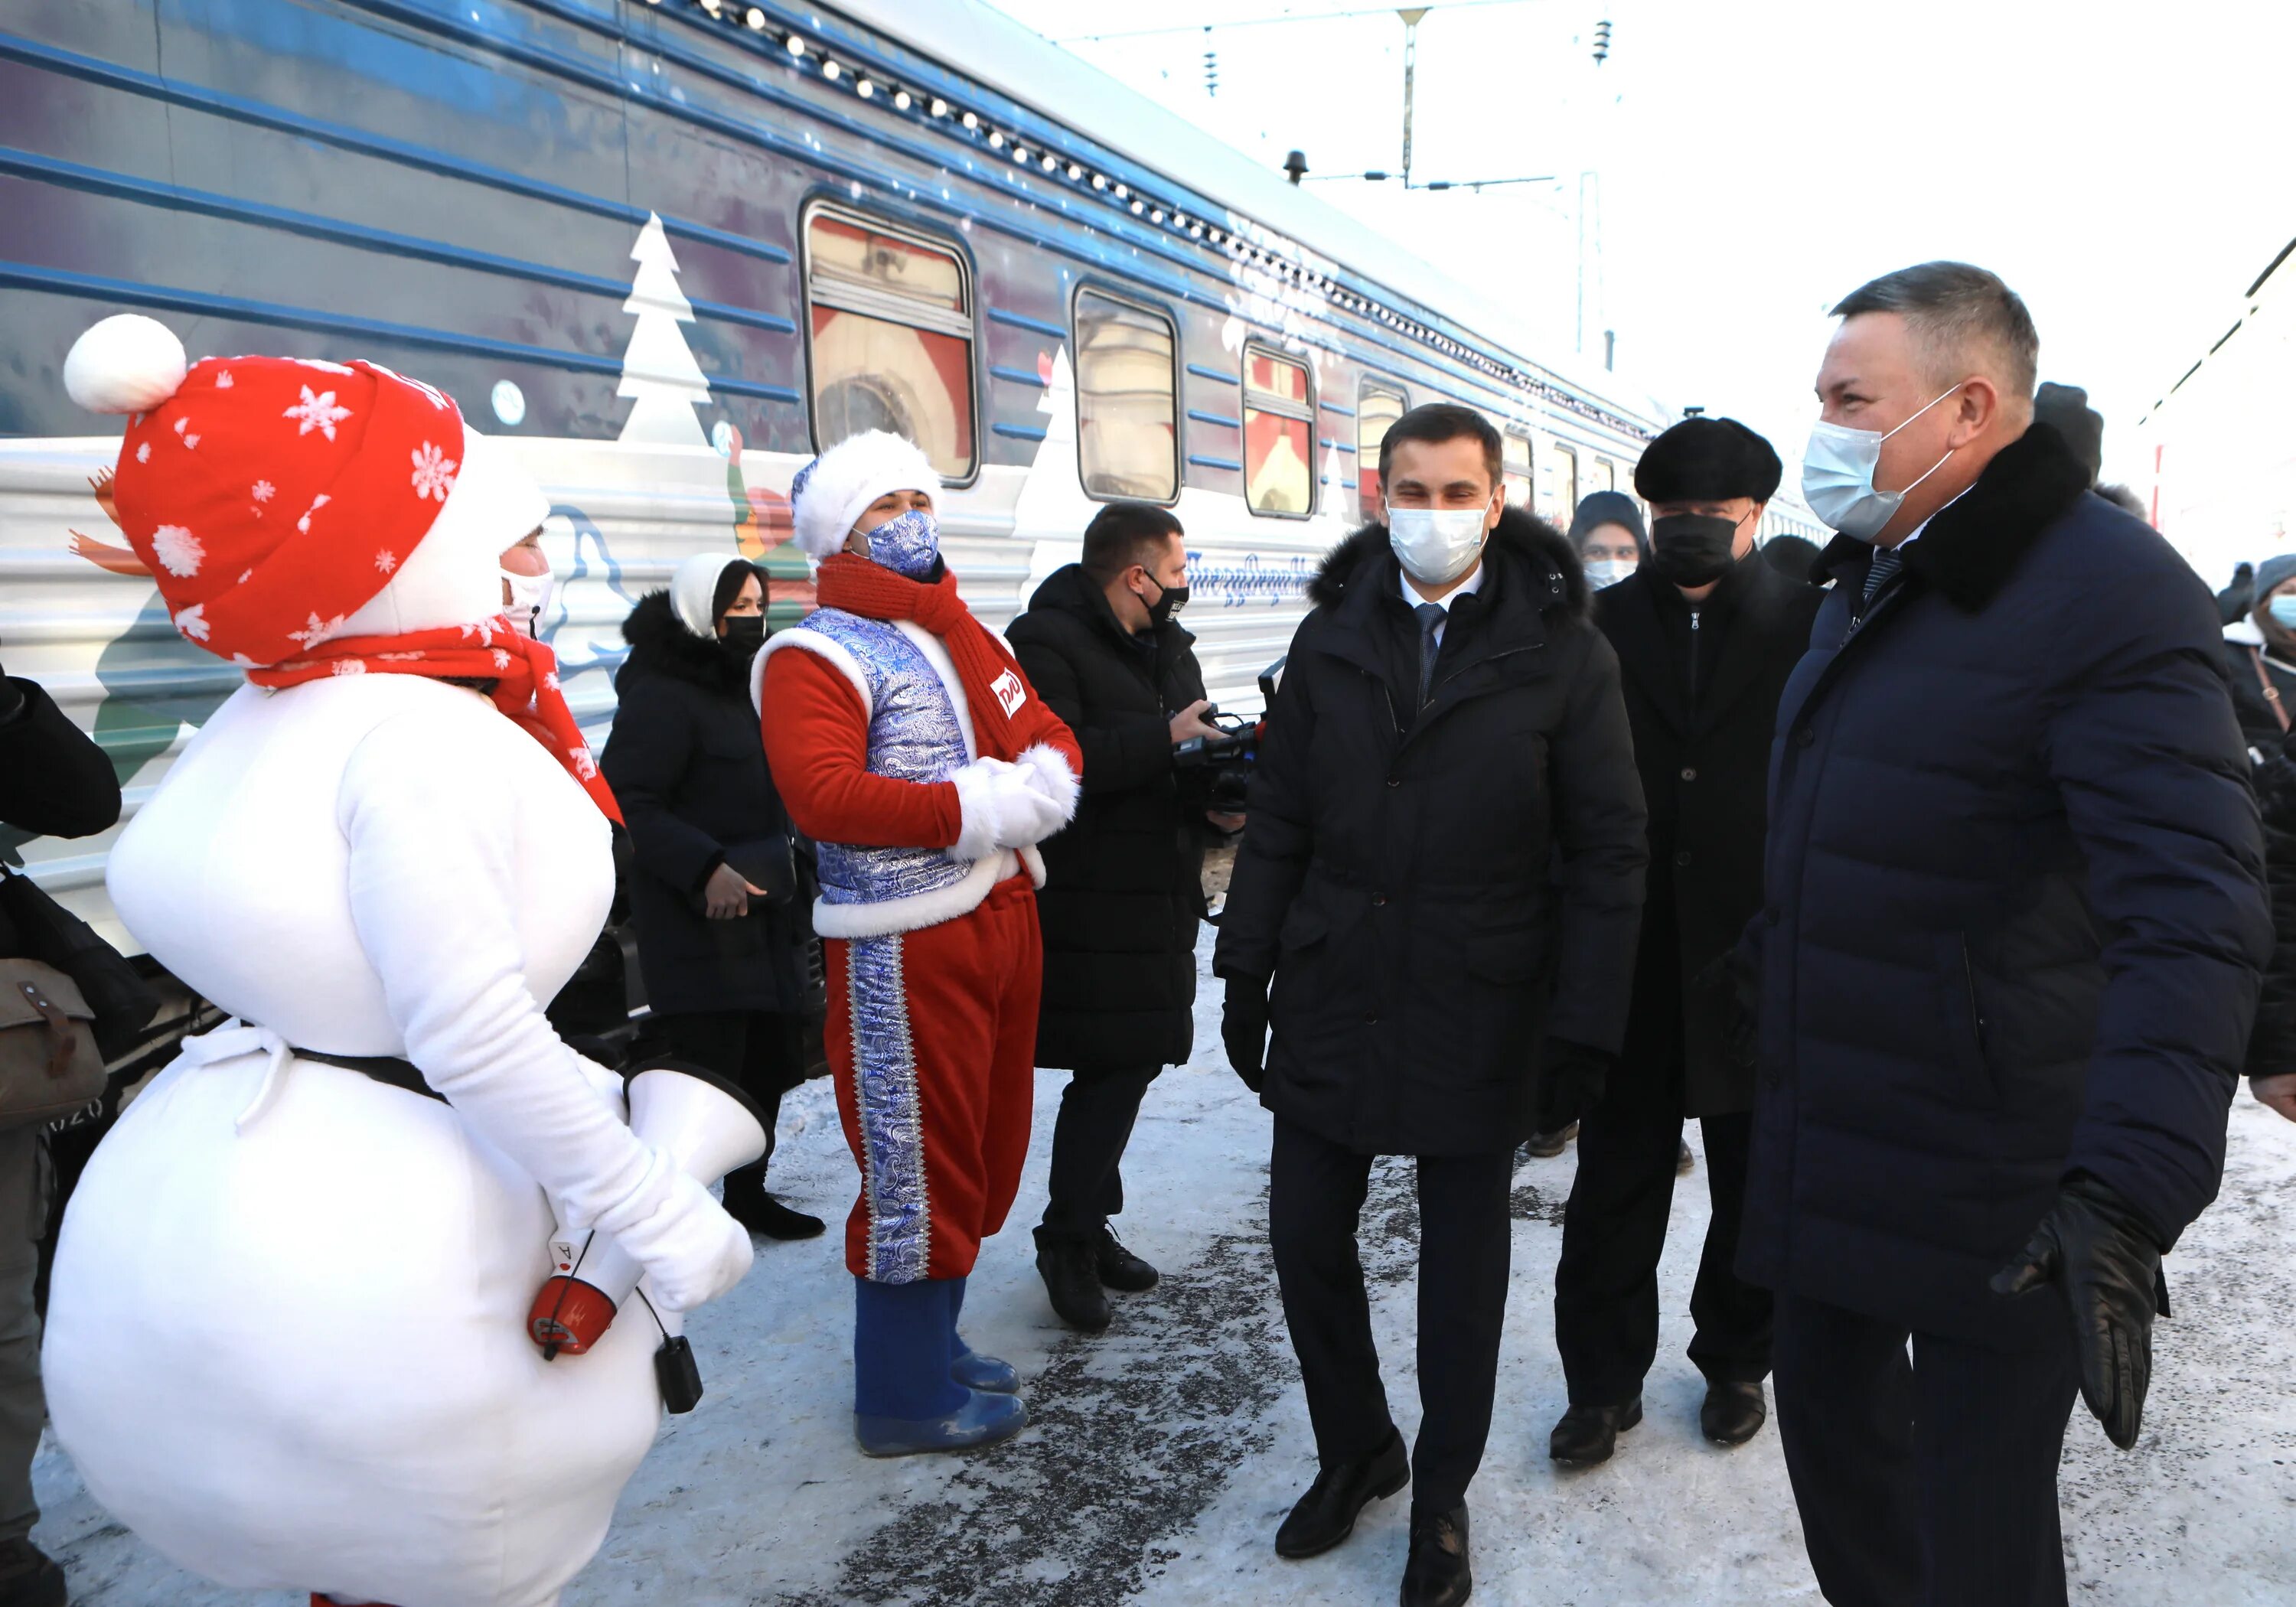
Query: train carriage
{"x": 671, "y": 250}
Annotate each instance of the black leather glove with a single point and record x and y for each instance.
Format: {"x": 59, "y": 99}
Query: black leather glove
{"x": 2107, "y": 1266}
{"x": 1570, "y": 1079}
{"x": 1244, "y": 1028}
{"x": 1733, "y": 983}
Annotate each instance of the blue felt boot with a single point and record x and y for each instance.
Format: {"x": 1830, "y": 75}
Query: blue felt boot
{"x": 967, "y": 1365}
{"x": 905, "y": 1396}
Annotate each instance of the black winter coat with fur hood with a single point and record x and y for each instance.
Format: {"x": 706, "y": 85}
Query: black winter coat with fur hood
{"x": 1436, "y": 891}
{"x": 688, "y": 767}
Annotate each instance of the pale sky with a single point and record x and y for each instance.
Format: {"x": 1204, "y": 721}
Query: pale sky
{"x": 2128, "y": 167}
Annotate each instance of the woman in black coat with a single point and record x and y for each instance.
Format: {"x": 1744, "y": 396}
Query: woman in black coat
{"x": 726, "y": 971}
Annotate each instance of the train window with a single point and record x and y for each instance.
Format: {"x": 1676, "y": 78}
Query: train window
{"x": 891, "y": 316}
{"x": 1279, "y": 434}
{"x": 1127, "y": 424}
{"x": 1566, "y": 480}
{"x": 1514, "y": 464}
{"x": 1377, "y": 406}
{"x": 1606, "y": 475}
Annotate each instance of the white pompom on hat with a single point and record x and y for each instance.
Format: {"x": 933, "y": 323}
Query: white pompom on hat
{"x": 126, "y": 363}
{"x": 834, "y": 489}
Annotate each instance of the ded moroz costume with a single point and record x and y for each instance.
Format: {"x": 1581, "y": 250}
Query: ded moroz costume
{"x": 287, "y": 1339}
{"x": 905, "y": 741}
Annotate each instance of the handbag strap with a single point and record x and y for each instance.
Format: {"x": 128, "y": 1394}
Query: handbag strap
{"x": 62, "y": 1036}
{"x": 386, "y": 1068}
{"x": 2271, "y": 692}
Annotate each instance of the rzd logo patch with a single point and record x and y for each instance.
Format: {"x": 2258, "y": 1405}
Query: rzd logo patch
{"x": 1010, "y": 691}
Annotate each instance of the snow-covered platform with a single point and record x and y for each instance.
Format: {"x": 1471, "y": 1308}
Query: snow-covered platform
{"x": 1163, "y": 1453}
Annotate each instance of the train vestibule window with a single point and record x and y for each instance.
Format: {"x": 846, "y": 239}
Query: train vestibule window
{"x": 1514, "y": 466}
{"x": 1377, "y": 407}
{"x": 1279, "y": 434}
{"x": 1127, "y": 396}
{"x": 891, "y": 347}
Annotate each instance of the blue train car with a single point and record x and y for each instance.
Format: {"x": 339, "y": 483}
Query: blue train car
{"x": 672, "y": 247}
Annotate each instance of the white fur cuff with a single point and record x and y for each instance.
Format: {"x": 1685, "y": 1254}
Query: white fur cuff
{"x": 976, "y": 796}
{"x": 1046, "y": 770}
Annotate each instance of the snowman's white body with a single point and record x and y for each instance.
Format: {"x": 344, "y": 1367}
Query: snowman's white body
{"x": 292, "y": 1353}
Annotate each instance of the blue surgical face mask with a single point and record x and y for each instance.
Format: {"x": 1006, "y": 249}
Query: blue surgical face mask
{"x": 2283, "y": 610}
{"x": 907, "y": 544}
{"x": 1837, "y": 474}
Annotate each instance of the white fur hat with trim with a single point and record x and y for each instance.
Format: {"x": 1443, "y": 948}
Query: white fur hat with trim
{"x": 832, "y": 491}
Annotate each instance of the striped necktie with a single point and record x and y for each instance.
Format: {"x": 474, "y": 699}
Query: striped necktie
{"x": 1430, "y": 621}
{"x": 1887, "y": 562}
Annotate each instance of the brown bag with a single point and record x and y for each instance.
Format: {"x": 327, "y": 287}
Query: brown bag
{"x": 49, "y": 1063}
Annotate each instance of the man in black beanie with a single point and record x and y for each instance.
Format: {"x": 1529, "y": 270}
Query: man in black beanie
{"x": 1707, "y": 634}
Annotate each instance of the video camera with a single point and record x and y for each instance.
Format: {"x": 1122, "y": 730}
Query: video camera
{"x": 1229, "y": 756}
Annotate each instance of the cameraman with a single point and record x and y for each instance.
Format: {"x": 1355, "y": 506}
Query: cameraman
{"x": 1123, "y": 888}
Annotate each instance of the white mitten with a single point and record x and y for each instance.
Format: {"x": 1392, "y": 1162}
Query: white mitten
{"x": 689, "y": 1247}
{"x": 1047, "y": 771}
{"x": 1001, "y": 810}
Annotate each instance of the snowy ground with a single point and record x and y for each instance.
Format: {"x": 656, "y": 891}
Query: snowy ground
{"x": 1164, "y": 1452}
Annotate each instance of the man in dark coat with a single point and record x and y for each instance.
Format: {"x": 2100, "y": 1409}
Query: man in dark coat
{"x": 1442, "y": 874}
{"x": 1706, "y": 634}
{"x": 726, "y": 971}
{"x": 1123, "y": 881}
{"x": 2007, "y": 964}
{"x": 55, "y": 782}
{"x": 2260, "y": 657}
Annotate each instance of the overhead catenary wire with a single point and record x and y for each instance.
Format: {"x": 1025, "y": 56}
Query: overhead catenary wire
{"x": 1190, "y": 28}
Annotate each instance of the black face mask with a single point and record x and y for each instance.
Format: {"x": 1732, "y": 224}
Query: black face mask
{"x": 1175, "y": 599}
{"x": 744, "y": 633}
{"x": 1692, "y": 549}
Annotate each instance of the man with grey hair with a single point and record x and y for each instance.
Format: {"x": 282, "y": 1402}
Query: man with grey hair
{"x": 2007, "y": 965}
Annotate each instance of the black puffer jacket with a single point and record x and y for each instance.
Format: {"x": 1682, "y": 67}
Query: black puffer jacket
{"x": 1433, "y": 905}
{"x": 688, "y": 766}
{"x": 2015, "y": 907}
{"x": 1124, "y": 881}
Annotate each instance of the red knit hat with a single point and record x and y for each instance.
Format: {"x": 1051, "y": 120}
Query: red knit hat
{"x": 269, "y": 496}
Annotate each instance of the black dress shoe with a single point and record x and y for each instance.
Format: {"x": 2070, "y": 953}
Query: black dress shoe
{"x": 1734, "y": 1413}
{"x": 1546, "y": 1146}
{"x": 748, "y": 1203}
{"x": 1684, "y": 1162}
{"x": 1119, "y": 1267}
{"x": 1326, "y": 1515}
{"x": 1072, "y": 1281}
{"x": 1438, "y": 1574}
{"x": 1586, "y": 1435}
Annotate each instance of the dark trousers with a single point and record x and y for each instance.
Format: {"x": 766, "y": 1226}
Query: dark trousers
{"x": 1613, "y": 1230}
{"x": 760, "y": 1051}
{"x": 1928, "y": 1482}
{"x": 1315, "y": 1195}
{"x": 1086, "y": 1187}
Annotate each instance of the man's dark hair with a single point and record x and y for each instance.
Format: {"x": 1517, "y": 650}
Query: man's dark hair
{"x": 1433, "y": 423}
{"x": 1950, "y": 307}
{"x": 1123, "y": 534}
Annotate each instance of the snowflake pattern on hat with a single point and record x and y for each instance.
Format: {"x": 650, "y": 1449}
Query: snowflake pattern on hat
{"x": 179, "y": 551}
{"x": 434, "y": 473}
{"x": 320, "y": 413}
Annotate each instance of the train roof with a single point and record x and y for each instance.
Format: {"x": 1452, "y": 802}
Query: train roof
{"x": 973, "y": 38}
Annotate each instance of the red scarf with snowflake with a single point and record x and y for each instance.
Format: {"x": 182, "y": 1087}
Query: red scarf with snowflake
{"x": 994, "y": 687}
{"x": 524, "y": 673}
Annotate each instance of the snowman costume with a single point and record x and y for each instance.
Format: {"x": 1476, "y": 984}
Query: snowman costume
{"x": 286, "y": 1342}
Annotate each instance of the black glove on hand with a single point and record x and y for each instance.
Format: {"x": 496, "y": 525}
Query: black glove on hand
{"x": 1733, "y": 983}
{"x": 1244, "y": 1028}
{"x": 1571, "y": 1078}
{"x": 2107, "y": 1266}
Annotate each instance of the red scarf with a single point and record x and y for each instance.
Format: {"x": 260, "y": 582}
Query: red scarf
{"x": 992, "y": 684}
{"x": 524, "y": 673}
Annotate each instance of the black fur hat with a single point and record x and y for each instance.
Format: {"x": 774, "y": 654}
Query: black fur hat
{"x": 1708, "y": 460}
